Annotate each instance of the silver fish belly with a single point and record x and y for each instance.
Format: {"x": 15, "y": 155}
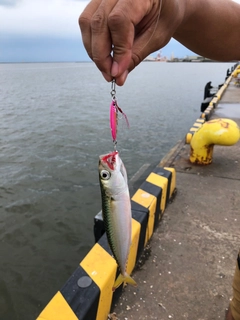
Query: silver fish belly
{"x": 116, "y": 210}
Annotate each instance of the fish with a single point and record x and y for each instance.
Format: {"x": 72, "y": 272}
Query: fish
{"x": 116, "y": 210}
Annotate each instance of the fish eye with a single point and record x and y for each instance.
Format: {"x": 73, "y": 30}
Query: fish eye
{"x": 105, "y": 175}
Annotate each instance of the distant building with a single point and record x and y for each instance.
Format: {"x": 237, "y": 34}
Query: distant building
{"x": 158, "y": 58}
{"x": 192, "y": 58}
{"x": 149, "y": 58}
{"x": 196, "y": 58}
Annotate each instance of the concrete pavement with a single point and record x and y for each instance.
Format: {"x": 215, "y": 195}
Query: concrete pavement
{"x": 192, "y": 254}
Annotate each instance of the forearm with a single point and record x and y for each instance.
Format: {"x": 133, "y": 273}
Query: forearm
{"x": 210, "y": 28}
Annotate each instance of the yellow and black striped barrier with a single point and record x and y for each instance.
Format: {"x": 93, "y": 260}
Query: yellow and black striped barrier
{"x": 208, "y": 112}
{"x": 88, "y": 295}
{"x": 198, "y": 123}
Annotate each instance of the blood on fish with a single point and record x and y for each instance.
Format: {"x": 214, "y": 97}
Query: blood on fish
{"x": 110, "y": 159}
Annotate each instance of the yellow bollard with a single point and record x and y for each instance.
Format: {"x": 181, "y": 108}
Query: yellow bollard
{"x": 224, "y": 132}
{"x": 235, "y": 73}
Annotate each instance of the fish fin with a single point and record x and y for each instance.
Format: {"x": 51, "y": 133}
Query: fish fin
{"x": 123, "y": 279}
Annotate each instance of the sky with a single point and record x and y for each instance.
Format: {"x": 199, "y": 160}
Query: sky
{"x": 47, "y": 30}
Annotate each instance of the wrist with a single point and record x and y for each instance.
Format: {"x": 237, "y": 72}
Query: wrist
{"x": 187, "y": 15}
{"x": 177, "y": 10}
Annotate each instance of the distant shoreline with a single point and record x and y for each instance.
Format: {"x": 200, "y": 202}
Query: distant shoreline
{"x": 171, "y": 61}
{"x": 28, "y": 62}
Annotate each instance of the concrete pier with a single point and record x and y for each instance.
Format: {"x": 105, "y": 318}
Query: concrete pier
{"x": 184, "y": 247}
{"x": 191, "y": 257}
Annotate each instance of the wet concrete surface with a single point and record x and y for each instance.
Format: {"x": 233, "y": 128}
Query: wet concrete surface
{"x": 226, "y": 162}
{"x": 231, "y": 95}
{"x": 228, "y": 110}
{"x": 193, "y": 252}
{"x": 188, "y": 274}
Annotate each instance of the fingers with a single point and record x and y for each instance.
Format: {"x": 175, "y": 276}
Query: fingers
{"x": 122, "y": 34}
{"x": 96, "y": 36}
{"x": 137, "y": 38}
{"x": 122, "y": 21}
{"x": 84, "y": 22}
{"x": 101, "y": 37}
{"x": 115, "y": 33}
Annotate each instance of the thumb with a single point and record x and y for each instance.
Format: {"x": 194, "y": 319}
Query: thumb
{"x": 122, "y": 44}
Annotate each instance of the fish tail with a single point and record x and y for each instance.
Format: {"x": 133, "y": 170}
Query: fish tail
{"x": 123, "y": 279}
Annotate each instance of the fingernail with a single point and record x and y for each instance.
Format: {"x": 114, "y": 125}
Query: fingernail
{"x": 123, "y": 77}
{"x": 114, "y": 70}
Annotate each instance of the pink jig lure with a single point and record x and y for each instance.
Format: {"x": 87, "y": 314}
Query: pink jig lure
{"x": 114, "y": 109}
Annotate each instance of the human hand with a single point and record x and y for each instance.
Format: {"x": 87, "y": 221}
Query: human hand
{"x": 119, "y": 34}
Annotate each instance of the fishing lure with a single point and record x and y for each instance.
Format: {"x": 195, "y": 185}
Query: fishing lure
{"x": 114, "y": 116}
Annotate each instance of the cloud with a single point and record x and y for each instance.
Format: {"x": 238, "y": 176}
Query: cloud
{"x": 9, "y": 3}
{"x": 26, "y": 23}
{"x": 42, "y": 17}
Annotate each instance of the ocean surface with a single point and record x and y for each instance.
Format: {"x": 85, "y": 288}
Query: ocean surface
{"x": 54, "y": 123}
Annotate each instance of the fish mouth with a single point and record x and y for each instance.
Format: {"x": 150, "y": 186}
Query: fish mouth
{"x": 110, "y": 159}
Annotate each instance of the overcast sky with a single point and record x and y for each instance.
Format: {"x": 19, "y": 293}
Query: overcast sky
{"x": 41, "y": 17}
{"x": 47, "y": 30}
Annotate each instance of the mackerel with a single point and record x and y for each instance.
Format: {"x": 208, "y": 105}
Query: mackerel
{"x": 116, "y": 210}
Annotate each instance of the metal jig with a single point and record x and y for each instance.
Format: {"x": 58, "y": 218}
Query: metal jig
{"x": 114, "y": 109}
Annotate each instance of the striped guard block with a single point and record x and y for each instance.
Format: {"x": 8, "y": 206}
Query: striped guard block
{"x": 207, "y": 113}
{"x": 215, "y": 100}
{"x": 220, "y": 92}
{"x": 153, "y": 196}
{"x": 228, "y": 80}
{"x": 88, "y": 295}
{"x": 198, "y": 123}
